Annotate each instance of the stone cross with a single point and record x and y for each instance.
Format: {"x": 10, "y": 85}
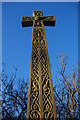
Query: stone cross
{"x": 41, "y": 103}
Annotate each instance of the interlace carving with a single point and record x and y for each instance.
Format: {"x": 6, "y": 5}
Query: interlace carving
{"x": 40, "y": 54}
{"x": 40, "y": 99}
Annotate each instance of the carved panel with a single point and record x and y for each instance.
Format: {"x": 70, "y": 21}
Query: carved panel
{"x": 46, "y": 90}
{"x": 37, "y": 13}
{"x": 40, "y": 54}
{"x": 27, "y": 18}
{"x": 48, "y": 18}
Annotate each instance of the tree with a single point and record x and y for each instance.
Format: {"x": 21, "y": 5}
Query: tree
{"x": 66, "y": 90}
{"x": 14, "y": 97}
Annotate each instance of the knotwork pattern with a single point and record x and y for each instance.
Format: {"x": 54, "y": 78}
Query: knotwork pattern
{"x": 40, "y": 55}
{"x": 46, "y": 90}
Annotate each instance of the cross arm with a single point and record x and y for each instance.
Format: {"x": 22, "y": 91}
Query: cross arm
{"x": 26, "y": 21}
{"x": 48, "y": 20}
